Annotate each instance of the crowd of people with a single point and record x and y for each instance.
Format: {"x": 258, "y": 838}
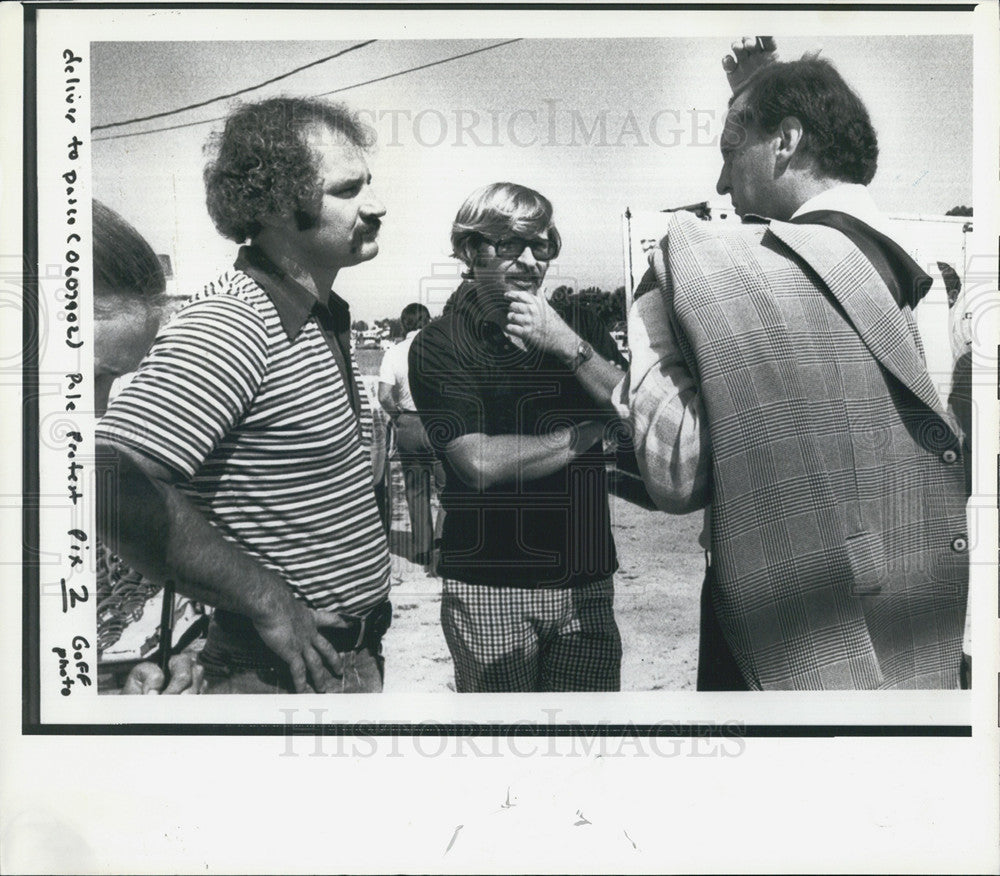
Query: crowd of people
{"x": 777, "y": 378}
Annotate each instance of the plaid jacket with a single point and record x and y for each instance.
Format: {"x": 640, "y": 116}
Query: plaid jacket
{"x": 839, "y": 544}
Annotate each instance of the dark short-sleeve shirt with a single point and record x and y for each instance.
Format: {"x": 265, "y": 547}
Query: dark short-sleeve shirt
{"x": 467, "y": 377}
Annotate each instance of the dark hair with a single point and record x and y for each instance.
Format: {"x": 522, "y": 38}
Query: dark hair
{"x": 263, "y": 164}
{"x": 414, "y": 316}
{"x": 124, "y": 262}
{"x": 838, "y": 136}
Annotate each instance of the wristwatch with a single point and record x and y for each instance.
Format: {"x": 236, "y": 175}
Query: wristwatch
{"x": 583, "y": 352}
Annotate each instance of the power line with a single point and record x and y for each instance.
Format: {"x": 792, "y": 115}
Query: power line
{"x": 324, "y": 94}
{"x": 191, "y": 106}
{"x": 422, "y": 67}
{"x": 158, "y": 130}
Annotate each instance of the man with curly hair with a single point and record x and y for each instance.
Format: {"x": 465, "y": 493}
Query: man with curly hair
{"x": 243, "y": 442}
{"x": 778, "y": 376}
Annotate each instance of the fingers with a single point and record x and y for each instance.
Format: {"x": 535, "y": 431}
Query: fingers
{"x": 297, "y": 667}
{"x": 180, "y": 674}
{"x": 329, "y": 654}
{"x": 520, "y": 296}
{"x": 321, "y": 679}
{"x": 187, "y": 675}
{"x": 145, "y": 678}
{"x": 749, "y": 54}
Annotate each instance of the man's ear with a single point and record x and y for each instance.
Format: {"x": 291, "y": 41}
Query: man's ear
{"x": 789, "y": 141}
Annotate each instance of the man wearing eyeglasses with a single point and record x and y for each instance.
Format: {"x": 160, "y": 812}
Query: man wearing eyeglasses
{"x": 515, "y": 400}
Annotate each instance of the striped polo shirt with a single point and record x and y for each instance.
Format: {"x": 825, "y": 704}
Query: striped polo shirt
{"x": 242, "y": 396}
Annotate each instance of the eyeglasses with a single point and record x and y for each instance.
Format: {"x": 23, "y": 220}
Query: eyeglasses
{"x": 512, "y": 247}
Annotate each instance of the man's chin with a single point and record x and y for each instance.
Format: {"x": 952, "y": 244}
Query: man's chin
{"x": 366, "y": 251}
{"x": 524, "y": 285}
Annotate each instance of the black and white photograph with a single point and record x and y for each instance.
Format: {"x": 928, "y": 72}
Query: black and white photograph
{"x": 584, "y": 392}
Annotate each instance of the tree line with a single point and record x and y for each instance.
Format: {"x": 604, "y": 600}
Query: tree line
{"x": 608, "y": 306}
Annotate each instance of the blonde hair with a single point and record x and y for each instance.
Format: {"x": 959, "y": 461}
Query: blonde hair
{"x": 497, "y": 211}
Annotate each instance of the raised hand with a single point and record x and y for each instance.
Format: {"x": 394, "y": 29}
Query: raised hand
{"x": 531, "y": 318}
{"x": 749, "y": 55}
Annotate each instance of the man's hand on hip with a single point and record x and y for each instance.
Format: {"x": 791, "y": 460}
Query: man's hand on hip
{"x": 292, "y": 630}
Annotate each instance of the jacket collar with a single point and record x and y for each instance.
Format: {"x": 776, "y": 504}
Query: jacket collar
{"x": 885, "y": 328}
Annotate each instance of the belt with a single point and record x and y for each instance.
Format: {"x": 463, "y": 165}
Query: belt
{"x": 361, "y": 630}
{"x": 236, "y": 637}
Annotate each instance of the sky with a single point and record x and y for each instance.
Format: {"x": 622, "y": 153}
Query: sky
{"x": 597, "y": 125}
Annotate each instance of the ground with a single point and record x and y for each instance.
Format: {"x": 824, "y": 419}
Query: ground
{"x": 656, "y": 598}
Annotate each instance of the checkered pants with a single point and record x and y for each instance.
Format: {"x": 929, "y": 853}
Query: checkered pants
{"x": 510, "y": 639}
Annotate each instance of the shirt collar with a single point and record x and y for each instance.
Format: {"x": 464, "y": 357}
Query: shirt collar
{"x": 290, "y": 298}
{"x": 851, "y": 198}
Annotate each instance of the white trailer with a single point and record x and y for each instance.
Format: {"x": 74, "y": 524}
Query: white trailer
{"x": 929, "y": 239}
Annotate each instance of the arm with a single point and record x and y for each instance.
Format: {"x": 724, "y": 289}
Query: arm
{"x": 483, "y": 461}
{"x": 207, "y": 363}
{"x": 532, "y": 319}
{"x": 159, "y": 532}
{"x": 385, "y": 398}
{"x": 387, "y": 384}
{"x": 661, "y": 400}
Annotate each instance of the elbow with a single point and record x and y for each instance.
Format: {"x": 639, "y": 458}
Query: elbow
{"x": 475, "y": 476}
{"x": 671, "y": 489}
{"x": 468, "y": 461}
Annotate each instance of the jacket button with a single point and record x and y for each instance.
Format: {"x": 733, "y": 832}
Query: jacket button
{"x": 959, "y": 544}
{"x": 949, "y": 456}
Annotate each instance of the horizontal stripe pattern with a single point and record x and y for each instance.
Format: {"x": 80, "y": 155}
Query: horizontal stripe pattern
{"x": 261, "y": 430}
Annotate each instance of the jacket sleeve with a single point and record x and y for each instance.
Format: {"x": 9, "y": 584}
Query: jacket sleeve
{"x": 661, "y": 400}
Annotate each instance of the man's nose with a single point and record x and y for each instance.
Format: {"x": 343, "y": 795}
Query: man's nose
{"x": 527, "y": 258}
{"x": 373, "y": 206}
{"x": 722, "y": 186}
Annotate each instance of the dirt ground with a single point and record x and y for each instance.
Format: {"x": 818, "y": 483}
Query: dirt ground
{"x": 656, "y": 603}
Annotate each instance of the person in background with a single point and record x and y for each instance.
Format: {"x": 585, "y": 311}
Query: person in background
{"x": 778, "y": 375}
{"x": 129, "y": 302}
{"x": 243, "y": 441}
{"x": 416, "y": 455}
{"x": 515, "y": 399}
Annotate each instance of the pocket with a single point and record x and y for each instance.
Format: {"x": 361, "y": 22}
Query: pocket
{"x": 867, "y": 562}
